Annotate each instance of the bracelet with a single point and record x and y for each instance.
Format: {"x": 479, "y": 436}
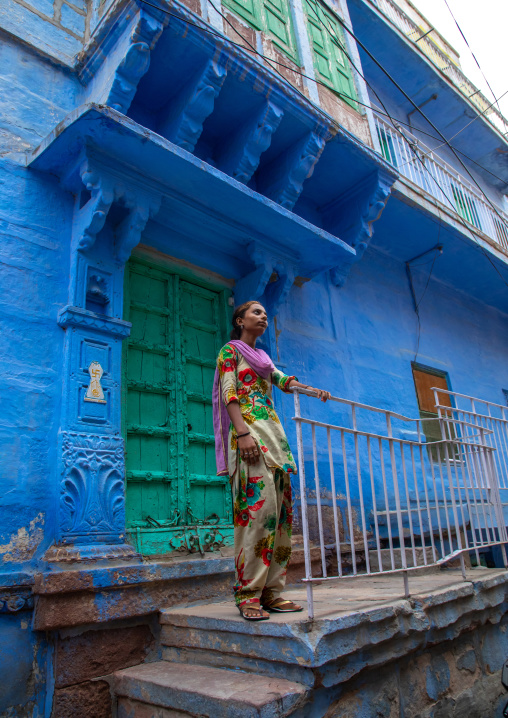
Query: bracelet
{"x": 239, "y": 436}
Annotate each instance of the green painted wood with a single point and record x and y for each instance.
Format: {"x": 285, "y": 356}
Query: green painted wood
{"x": 178, "y": 326}
{"x": 248, "y": 9}
{"x": 280, "y": 27}
{"x": 271, "y": 16}
{"x": 327, "y": 40}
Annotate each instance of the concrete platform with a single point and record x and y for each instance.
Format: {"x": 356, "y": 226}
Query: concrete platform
{"x": 359, "y": 623}
{"x": 166, "y": 689}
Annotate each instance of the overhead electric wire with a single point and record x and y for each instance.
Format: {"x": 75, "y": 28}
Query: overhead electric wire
{"x": 429, "y": 134}
{"x": 410, "y": 145}
{"x": 445, "y": 142}
{"x": 453, "y": 206}
{"x": 496, "y": 100}
{"x": 212, "y": 31}
{"x": 471, "y": 51}
{"x": 461, "y": 219}
{"x": 433, "y": 149}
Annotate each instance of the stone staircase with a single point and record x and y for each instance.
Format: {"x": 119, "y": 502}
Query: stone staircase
{"x": 214, "y": 665}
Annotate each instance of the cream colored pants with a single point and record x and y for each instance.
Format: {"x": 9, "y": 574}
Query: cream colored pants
{"x": 262, "y": 518}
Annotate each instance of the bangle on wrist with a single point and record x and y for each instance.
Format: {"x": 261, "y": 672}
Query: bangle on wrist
{"x": 239, "y": 436}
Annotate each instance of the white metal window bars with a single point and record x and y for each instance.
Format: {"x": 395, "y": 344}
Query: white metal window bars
{"x": 394, "y": 507}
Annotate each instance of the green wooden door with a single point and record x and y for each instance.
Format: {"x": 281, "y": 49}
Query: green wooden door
{"x": 174, "y": 498}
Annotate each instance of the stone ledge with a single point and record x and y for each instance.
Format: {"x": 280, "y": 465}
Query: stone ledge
{"x": 67, "y": 580}
{"x": 334, "y": 648}
{"x": 72, "y": 597}
{"x": 83, "y": 319}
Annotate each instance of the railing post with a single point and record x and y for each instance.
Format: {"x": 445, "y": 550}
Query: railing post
{"x": 397, "y": 503}
{"x": 303, "y": 506}
{"x": 318, "y": 501}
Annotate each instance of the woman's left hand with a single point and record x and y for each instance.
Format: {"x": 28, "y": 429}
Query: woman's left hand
{"x": 320, "y": 393}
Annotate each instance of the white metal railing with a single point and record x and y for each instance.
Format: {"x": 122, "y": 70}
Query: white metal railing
{"x": 398, "y": 502}
{"x": 423, "y": 167}
{"x": 488, "y": 418}
{"x": 442, "y": 61}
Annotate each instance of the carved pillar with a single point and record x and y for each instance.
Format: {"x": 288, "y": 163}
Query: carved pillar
{"x": 91, "y": 501}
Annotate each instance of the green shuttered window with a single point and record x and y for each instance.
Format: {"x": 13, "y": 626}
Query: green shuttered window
{"x": 272, "y": 17}
{"x": 327, "y": 39}
{"x": 178, "y": 327}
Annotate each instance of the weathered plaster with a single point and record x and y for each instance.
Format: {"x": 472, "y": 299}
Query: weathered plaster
{"x": 24, "y": 543}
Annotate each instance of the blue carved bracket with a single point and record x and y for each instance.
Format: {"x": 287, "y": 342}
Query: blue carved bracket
{"x": 105, "y": 189}
{"x": 283, "y": 180}
{"x": 187, "y": 112}
{"x": 352, "y": 215}
{"x": 90, "y": 219}
{"x": 135, "y": 62}
{"x": 270, "y": 281}
{"x": 128, "y": 235}
{"x": 242, "y": 155}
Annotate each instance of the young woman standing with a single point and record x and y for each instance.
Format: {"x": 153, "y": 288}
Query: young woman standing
{"x": 252, "y": 448}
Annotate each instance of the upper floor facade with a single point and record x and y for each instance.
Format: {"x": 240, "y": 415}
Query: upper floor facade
{"x": 374, "y": 68}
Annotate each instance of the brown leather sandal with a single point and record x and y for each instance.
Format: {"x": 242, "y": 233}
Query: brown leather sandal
{"x": 247, "y": 606}
{"x": 282, "y": 605}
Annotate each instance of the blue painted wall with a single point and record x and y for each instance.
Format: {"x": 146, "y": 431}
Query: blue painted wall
{"x": 360, "y": 341}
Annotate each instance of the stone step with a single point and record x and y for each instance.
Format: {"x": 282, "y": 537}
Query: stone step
{"x": 358, "y": 623}
{"x": 216, "y": 635}
{"x": 174, "y": 690}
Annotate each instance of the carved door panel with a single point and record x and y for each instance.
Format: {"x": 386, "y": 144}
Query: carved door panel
{"x": 169, "y": 361}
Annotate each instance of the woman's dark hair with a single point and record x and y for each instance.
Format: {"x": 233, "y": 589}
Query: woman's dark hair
{"x": 239, "y": 313}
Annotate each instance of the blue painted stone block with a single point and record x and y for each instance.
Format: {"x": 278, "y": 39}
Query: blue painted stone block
{"x": 437, "y": 678}
{"x": 22, "y": 666}
{"x": 467, "y": 661}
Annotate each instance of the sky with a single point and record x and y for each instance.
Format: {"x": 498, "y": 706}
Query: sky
{"x": 484, "y": 25}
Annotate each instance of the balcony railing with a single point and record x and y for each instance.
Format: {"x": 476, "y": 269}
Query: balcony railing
{"x": 486, "y": 417}
{"x": 419, "y": 164}
{"x": 384, "y": 500}
{"x": 411, "y": 30}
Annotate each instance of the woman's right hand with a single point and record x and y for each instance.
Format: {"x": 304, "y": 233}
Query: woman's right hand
{"x": 249, "y": 450}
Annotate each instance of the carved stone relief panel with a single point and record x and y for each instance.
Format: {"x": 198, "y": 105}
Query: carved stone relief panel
{"x": 92, "y": 502}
